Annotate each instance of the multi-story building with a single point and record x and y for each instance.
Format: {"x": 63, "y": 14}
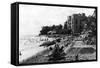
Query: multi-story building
{"x": 76, "y": 22}
{"x": 69, "y": 22}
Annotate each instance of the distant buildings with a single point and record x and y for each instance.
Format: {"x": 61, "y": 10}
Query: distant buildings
{"x": 69, "y": 22}
{"x": 76, "y": 22}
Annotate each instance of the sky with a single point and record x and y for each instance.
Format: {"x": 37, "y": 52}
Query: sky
{"x": 33, "y": 17}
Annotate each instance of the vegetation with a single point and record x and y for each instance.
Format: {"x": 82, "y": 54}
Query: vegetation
{"x": 87, "y": 24}
{"x": 57, "y": 54}
{"x": 57, "y": 28}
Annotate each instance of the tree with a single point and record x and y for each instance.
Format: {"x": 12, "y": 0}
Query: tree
{"x": 57, "y": 54}
{"x": 45, "y": 30}
{"x": 53, "y": 27}
{"x": 59, "y": 26}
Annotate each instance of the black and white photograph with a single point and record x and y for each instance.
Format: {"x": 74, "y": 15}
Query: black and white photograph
{"x": 53, "y": 34}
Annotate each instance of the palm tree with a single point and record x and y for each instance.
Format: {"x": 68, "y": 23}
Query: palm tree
{"x": 57, "y": 54}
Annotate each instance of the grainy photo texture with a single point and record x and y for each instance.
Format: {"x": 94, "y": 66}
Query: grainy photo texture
{"x": 56, "y": 34}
